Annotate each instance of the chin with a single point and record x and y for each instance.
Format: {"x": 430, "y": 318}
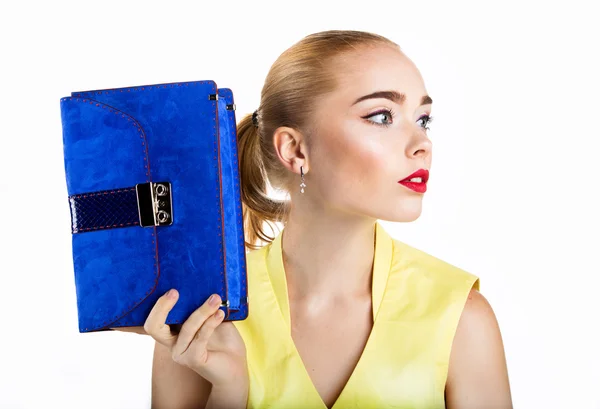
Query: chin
{"x": 407, "y": 218}
{"x": 402, "y": 211}
{"x": 406, "y": 213}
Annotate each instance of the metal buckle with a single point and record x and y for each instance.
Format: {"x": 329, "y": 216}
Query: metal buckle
{"x": 154, "y": 201}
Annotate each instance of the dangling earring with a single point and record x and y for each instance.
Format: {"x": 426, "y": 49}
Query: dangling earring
{"x": 302, "y": 185}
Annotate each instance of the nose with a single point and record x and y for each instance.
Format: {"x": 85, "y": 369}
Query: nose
{"x": 419, "y": 147}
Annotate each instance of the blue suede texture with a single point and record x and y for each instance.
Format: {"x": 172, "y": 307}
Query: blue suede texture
{"x": 235, "y": 254}
{"x": 116, "y": 138}
{"x": 114, "y": 268}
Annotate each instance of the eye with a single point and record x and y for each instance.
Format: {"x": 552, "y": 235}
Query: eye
{"x": 386, "y": 115}
{"x": 426, "y": 121}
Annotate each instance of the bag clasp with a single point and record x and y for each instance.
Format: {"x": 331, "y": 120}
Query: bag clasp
{"x": 154, "y": 201}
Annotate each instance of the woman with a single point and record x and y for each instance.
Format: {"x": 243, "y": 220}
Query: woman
{"x": 341, "y": 314}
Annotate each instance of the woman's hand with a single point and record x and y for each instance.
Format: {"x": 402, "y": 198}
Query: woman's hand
{"x": 212, "y": 348}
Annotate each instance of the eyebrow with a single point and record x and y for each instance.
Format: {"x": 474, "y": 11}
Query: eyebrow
{"x": 394, "y": 96}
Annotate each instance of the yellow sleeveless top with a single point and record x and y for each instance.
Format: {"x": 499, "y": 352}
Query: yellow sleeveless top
{"x": 417, "y": 302}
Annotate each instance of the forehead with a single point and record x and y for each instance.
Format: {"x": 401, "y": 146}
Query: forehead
{"x": 377, "y": 68}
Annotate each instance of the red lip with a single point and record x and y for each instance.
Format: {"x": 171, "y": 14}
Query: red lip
{"x": 420, "y": 187}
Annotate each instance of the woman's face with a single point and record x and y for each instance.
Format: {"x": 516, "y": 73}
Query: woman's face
{"x": 360, "y": 151}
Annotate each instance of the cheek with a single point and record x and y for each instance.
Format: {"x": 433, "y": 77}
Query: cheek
{"x": 355, "y": 163}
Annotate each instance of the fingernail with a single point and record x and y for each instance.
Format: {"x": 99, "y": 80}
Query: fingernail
{"x": 212, "y": 300}
{"x": 170, "y": 293}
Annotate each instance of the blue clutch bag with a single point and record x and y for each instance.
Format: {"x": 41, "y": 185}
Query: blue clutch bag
{"x": 153, "y": 185}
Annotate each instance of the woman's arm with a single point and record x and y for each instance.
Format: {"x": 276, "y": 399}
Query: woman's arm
{"x": 477, "y": 375}
{"x": 175, "y": 386}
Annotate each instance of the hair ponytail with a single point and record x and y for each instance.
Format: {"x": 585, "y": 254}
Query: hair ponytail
{"x": 257, "y": 207}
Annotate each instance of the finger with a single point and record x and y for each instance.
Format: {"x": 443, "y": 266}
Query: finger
{"x": 137, "y": 330}
{"x": 155, "y": 323}
{"x": 200, "y": 341}
{"x": 194, "y": 322}
{"x": 197, "y": 352}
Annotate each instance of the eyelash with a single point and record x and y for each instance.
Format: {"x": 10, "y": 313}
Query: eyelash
{"x": 428, "y": 119}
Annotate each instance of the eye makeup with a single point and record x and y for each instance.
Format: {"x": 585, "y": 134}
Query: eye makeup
{"x": 390, "y": 114}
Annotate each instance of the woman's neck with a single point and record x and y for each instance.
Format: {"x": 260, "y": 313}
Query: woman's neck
{"x": 328, "y": 256}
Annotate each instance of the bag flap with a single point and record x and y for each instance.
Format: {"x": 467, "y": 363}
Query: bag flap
{"x": 115, "y": 269}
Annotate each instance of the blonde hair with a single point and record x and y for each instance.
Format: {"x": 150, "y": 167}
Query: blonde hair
{"x": 298, "y": 77}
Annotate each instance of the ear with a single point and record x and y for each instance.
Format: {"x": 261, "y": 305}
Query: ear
{"x": 291, "y": 149}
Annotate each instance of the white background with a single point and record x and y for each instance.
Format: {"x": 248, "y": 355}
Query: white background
{"x": 513, "y": 196}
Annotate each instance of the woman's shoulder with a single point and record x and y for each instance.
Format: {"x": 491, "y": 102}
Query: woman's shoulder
{"x": 257, "y": 255}
{"x": 256, "y": 264}
{"x": 425, "y": 266}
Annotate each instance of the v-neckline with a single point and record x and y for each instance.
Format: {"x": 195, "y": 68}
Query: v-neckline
{"x": 381, "y": 269}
